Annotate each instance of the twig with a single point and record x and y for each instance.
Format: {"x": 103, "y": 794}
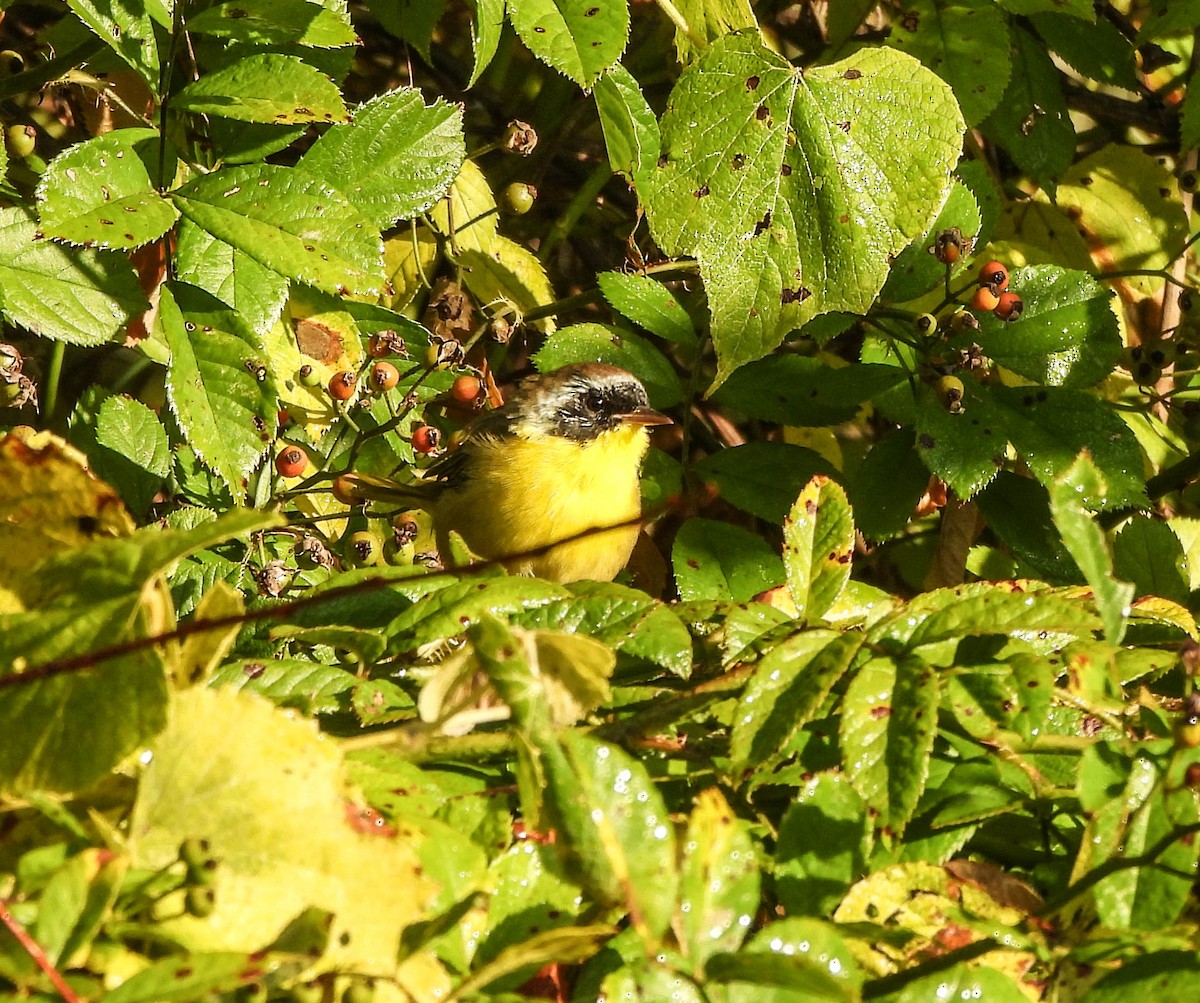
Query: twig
{"x": 34, "y": 950}
{"x": 88, "y": 660}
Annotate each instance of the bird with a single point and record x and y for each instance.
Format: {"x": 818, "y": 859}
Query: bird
{"x": 549, "y": 483}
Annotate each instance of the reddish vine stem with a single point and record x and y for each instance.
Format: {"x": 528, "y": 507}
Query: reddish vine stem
{"x": 90, "y": 659}
{"x": 34, "y": 950}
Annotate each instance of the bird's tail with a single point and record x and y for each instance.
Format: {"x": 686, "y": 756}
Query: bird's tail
{"x": 360, "y": 488}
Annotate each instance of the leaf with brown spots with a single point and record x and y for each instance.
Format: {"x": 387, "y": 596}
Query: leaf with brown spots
{"x": 888, "y": 724}
{"x": 818, "y": 541}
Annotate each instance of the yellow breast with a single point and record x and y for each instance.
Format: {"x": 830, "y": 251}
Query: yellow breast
{"x": 524, "y": 494}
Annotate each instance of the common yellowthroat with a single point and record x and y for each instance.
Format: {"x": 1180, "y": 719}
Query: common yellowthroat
{"x": 532, "y": 478}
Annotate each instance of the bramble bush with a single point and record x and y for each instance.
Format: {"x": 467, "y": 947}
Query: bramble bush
{"x": 897, "y": 698}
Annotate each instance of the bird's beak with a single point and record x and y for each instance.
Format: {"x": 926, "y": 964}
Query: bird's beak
{"x": 646, "y": 416}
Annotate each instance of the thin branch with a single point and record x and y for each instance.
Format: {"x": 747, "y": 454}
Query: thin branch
{"x": 90, "y": 659}
{"x": 34, "y": 950}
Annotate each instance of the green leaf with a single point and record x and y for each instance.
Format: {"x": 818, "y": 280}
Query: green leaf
{"x": 964, "y": 43}
{"x": 1153, "y": 896}
{"x": 1165, "y": 976}
{"x": 265, "y": 22}
{"x": 411, "y": 20}
{"x": 448, "y": 611}
{"x": 820, "y": 852}
{"x": 1018, "y": 511}
{"x": 916, "y": 271}
{"x": 787, "y": 690}
{"x": 134, "y": 455}
{"x": 82, "y": 297}
{"x": 716, "y": 560}
{"x": 182, "y": 978}
{"x": 486, "y": 28}
{"x": 630, "y": 127}
{"x": 818, "y": 543}
{"x": 1066, "y": 335}
{"x": 1127, "y": 202}
{"x": 803, "y": 186}
{"x": 1000, "y": 696}
{"x": 102, "y": 193}
{"x": 980, "y": 609}
{"x": 1032, "y": 121}
{"x": 648, "y": 304}
{"x": 127, "y": 29}
{"x": 289, "y": 222}
{"x": 530, "y": 895}
{"x": 624, "y": 618}
{"x": 252, "y": 290}
{"x": 762, "y": 478}
{"x": 707, "y": 21}
{"x": 213, "y": 383}
{"x": 888, "y": 485}
{"x": 1077, "y": 489}
{"x": 396, "y": 159}
{"x": 579, "y": 38}
{"x": 1080, "y": 9}
{"x": 790, "y": 961}
{"x": 604, "y": 343}
{"x": 1048, "y": 428}
{"x": 616, "y": 827}
{"x": 961, "y": 982}
{"x": 966, "y": 450}
{"x": 63, "y": 732}
{"x": 1098, "y": 50}
{"x": 796, "y": 390}
{"x": 985, "y": 191}
{"x": 266, "y": 87}
{"x": 1166, "y": 19}
{"x": 1149, "y": 554}
{"x": 718, "y": 880}
{"x": 888, "y": 724}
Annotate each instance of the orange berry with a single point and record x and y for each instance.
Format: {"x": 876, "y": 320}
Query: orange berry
{"x": 384, "y": 376}
{"x": 995, "y": 275}
{"x": 1009, "y": 306}
{"x": 292, "y": 462}
{"x": 466, "y": 389}
{"x": 986, "y": 298}
{"x": 426, "y": 438}
{"x": 341, "y": 386}
{"x": 948, "y": 246}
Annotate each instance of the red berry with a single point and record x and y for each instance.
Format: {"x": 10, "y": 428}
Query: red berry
{"x": 995, "y": 275}
{"x": 384, "y": 376}
{"x": 341, "y": 386}
{"x": 986, "y": 298}
{"x": 466, "y": 389}
{"x": 426, "y": 438}
{"x": 292, "y": 462}
{"x": 1009, "y": 306}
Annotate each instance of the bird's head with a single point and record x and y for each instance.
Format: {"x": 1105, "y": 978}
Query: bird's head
{"x": 581, "y": 402}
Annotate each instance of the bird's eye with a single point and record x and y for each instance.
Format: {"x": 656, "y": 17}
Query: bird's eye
{"x": 594, "y": 400}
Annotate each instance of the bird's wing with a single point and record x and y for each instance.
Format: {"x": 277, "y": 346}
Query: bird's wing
{"x": 454, "y": 468}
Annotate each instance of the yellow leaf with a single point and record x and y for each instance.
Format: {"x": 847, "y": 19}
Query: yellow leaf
{"x": 507, "y": 272}
{"x": 269, "y": 794}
